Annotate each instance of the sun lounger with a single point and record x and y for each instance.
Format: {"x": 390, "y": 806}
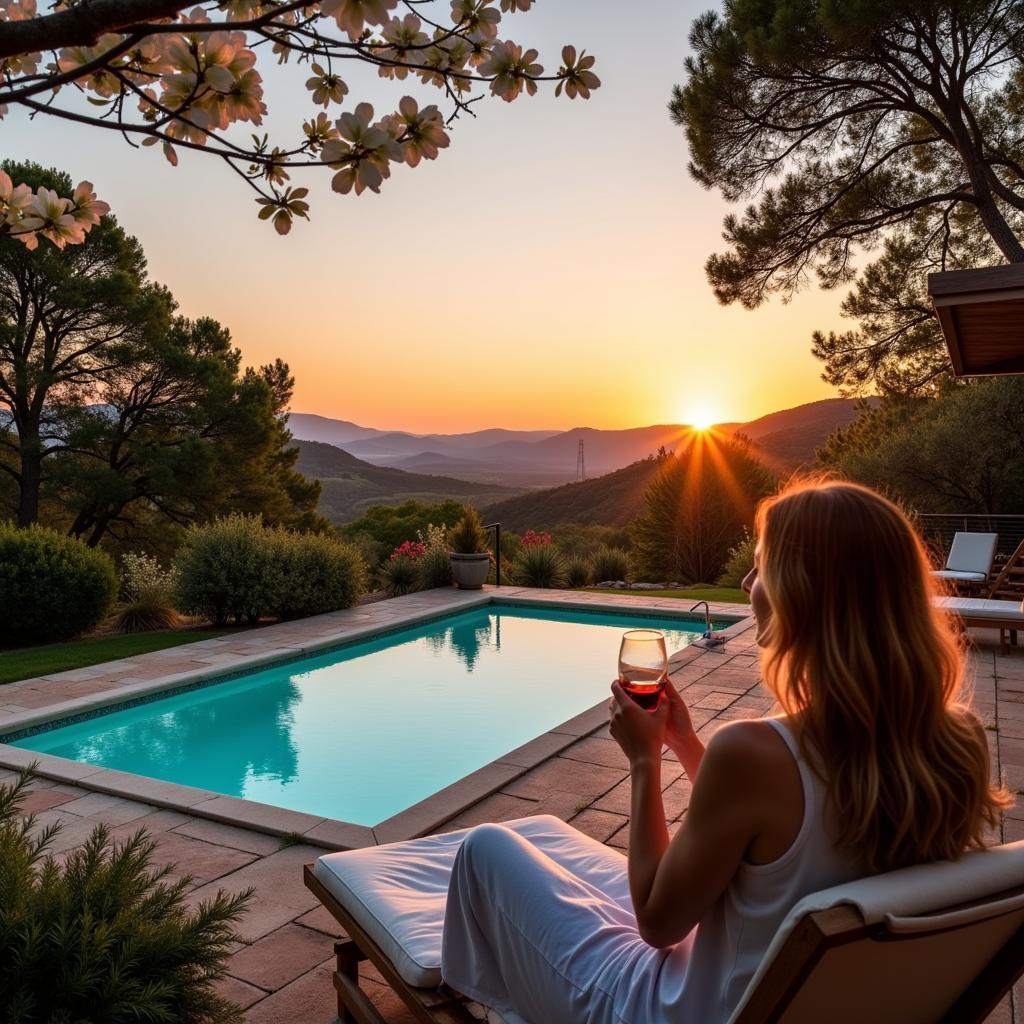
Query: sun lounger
{"x": 970, "y": 560}
{"x": 934, "y": 943}
{"x": 985, "y": 613}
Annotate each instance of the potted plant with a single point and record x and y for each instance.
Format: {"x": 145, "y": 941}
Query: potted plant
{"x": 471, "y": 561}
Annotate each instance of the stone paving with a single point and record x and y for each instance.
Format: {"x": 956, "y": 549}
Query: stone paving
{"x": 281, "y": 970}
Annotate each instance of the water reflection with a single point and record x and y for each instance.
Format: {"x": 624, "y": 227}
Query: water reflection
{"x": 467, "y": 640}
{"x": 215, "y": 743}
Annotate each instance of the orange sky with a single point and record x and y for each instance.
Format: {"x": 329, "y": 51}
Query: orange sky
{"x": 545, "y": 271}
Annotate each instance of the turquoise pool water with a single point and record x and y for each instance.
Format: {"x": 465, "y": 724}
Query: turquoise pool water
{"x": 369, "y": 729}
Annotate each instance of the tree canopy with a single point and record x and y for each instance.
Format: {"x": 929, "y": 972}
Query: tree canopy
{"x": 178, "y": 75}
{"x": 961, "y": 451}
{"x": 123, "y": 418}
{"x": 696, "y": 508}
{"x": 893, "y": 128}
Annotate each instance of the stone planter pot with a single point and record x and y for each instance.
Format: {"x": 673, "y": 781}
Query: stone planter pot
{"x": 470, "y": 571}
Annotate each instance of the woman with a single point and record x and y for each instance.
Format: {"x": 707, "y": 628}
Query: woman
{"x": 875, "y": 764}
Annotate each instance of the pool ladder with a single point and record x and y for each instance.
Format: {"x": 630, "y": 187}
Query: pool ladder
{"x": 708, "y": 636}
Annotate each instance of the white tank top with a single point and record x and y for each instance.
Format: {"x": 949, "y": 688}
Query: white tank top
{"x": 702, "y": 979}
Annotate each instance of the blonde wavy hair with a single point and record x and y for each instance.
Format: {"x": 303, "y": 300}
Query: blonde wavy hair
{"x": 856, "y": 651}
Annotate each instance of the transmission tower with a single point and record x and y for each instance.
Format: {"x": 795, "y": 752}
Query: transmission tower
{"x": 581, "y": 463}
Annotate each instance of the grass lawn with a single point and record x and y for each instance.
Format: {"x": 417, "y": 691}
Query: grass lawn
{"x": 691, "y": 594}
{"x": 49, "y": 658}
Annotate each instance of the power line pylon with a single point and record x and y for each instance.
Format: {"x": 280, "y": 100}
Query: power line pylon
{"x": 581, "y": 463}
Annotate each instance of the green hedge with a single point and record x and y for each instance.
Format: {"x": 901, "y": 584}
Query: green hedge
{"x": 237, "y": 568}
{"x": 52, "y": 587}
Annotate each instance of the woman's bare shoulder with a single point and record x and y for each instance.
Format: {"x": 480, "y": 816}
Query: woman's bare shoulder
{"x": 749, "y": 746}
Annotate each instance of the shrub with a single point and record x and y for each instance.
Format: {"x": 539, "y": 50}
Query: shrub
{"x": 388, "y": 526}
{"x": 225, "y": 568}
{"x": 435, "y": 567}
{"x": 578, "y": 572}
{"x": 52, "y": 587}
{"x": 540, "y": 566}
{"x": 103, "y": 935}
{"x": 313, "y": 574}
{"x": 739, "y": 562}
{"x": 467, "y": 536}
{"x": 400, "y": 576}
{"x": 148, "y": 591}
{"x": 610, "y": 564}
{"x": 237, "y": 567}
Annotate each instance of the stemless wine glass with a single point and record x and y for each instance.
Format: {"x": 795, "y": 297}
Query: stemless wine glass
{"x": 643, "y": 665}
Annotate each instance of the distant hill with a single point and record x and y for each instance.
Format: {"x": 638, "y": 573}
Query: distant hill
{"x": 544, "y": 458}
{"x": 350, "y": 485}
{"x": 786, "y": 441}
{"x": 610, "y": 500}
{"x": 791, "y": 437}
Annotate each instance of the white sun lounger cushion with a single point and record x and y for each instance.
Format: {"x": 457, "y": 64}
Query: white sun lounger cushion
{"x": 972, "y": 552}
{"x": 397, "y": 892}
{"x": 960, "y": 577}
{"x": 984, "y": 608}
{"x": 902, "y": 897}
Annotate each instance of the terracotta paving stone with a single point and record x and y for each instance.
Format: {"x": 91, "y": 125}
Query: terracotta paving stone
{"x": 240, "y": 993}
{"x": 599, "y": 825}
{"x": 716, "y": 700}
{"x": 497, "y": 807}
{"x": 309, "y": 999}
{"x": 203, "y": 861}
{"x": 111, "y": 810}
{"x": 561, "y": 773}
{"x": 42, "y": 800}
{"x": 597, "y": 750}
{"x": 228, "y": 835}
{"x": 320, "y": 920}
{"x": 280, "y": 957}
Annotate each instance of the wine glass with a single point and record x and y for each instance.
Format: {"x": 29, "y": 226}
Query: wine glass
{"x": 643, "y": 665}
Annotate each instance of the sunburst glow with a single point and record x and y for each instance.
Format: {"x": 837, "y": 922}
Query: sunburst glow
{"x": 701, "y": 417}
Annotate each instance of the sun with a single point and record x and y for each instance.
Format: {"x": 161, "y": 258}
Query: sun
{"x": 701, "y": 417}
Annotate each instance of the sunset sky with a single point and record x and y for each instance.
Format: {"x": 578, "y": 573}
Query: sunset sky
{"x": 545, "y": 272}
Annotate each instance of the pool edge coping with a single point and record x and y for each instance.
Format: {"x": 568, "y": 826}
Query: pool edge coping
{"x": 416, "y": 820}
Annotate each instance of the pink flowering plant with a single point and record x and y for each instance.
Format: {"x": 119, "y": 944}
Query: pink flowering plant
{"x": 536, "y": 539}
{"x": 411, "y": 549}
{"x": 184, "y": 76}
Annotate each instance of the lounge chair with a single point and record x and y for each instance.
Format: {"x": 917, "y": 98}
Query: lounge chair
{"x": 986, "y": 613}
{"x": 1011, "y": 576}
{"x": 970, "y": 560}
{"x": 935, "y": 943}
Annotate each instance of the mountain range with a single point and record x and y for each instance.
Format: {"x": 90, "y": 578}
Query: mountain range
{"x": 349, "y": 486}
{"x": 545, "y": 458}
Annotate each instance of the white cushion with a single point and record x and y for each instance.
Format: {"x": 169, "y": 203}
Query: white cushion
{"x": 983, "y": 608}
{"x": 972, "y": 552}
{"x": 908, "y": 892}
{"x": 956, "y": 574}
{"x": 397, "y": 892}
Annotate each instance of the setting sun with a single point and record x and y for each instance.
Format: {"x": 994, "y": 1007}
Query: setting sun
{"x": 701, "y": 418}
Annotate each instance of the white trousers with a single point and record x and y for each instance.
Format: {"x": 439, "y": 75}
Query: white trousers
{"x": 540, "y": 942}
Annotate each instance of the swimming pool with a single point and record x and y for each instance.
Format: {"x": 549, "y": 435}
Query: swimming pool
{"x": 369, "y": 729}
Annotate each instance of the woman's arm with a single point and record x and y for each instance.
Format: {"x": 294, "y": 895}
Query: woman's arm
{"x": 672, "y": 883}
{"x": 680, "y": 736}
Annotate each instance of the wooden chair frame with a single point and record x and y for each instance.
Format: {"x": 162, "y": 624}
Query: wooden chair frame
{"x": 1014, "y": 566}
{"x": 809, "y": 941}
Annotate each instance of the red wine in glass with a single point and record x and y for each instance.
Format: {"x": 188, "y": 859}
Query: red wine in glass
{"x": 643, "y": 666}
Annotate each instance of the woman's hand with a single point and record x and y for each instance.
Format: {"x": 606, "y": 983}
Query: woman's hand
{"x": 640, "y": 733}
{"x": 679, "y": 731}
